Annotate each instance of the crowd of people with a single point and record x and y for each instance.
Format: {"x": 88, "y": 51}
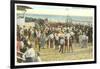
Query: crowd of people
{"x": 54, "y": 36}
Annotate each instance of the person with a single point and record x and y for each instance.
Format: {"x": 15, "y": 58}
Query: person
{"x": 80, "y": 40}
{"x": 30, "y": 55}
{"x": 68, "y": 41}
{"x": 84, "y": 40}
{"x": 24, "y": 41}
{"x": 42, "y": 41}
{"x": 70, "y": 44}
{"x": 51, "y": 36}
{"x": 56, "y": 41}
{"x": 19, "y": 52}
{"x": 62, "y": 41}
{"x": 47, "y": 37}
{"x": 76, "y": 35}
{"x": 66, "y": 44}
{"x": 38, "y": 37}
{"x": 25, "y": 32}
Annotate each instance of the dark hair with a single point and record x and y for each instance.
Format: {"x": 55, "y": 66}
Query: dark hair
{"x": 38, "y": 54}
{"x": 30, "y": 46}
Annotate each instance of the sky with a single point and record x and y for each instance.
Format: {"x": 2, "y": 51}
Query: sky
{"x": 58, "y": 10}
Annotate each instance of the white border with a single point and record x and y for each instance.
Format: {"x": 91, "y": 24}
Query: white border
{"x": 68, "y": 61}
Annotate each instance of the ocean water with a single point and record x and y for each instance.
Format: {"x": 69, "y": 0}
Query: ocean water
{"x": 60, "y": 18}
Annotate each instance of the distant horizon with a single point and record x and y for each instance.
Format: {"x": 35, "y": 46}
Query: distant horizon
{"x": 54, "y": 15}
{"x": 60, "y": 18}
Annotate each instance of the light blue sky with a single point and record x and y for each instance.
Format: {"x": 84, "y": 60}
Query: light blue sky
{"x": 59, "y": 10}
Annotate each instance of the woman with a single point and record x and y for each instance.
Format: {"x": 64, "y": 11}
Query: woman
{"x": 51, "y": 36}
{"x": 30, "y": 55}
{"x": 19, "y": 53}
{"x": 42, "y": 40}
{"x": 70, "y": 44}
{"x": 62, "y": 41}
{"x": 68, "y": 41}
{"x": 56, "y": 41}
{"x": 66, "y": 44}
{"x": 84, "y": 40}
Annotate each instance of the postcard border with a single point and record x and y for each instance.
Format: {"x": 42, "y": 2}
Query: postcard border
{"x": 12, "y": 34}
